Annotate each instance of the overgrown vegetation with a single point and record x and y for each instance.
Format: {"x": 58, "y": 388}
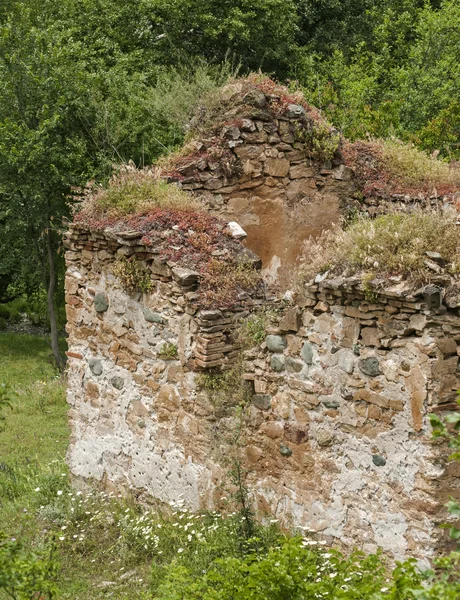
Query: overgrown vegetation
{"x": 228, "y": 284}
{"x": 390, "y": 245}
{"x": 448, "y": 428}
{"x": 387, "y": 167}
{"x": 172, "y": 221}
{"x": 132, "y": 276}
{"x": 134, "y": 191}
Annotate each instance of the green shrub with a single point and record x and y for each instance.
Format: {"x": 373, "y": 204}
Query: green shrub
{"x": 4, "y": 311}
{"x": 3, "y": 324}
{"x": 389, "y": 245}
{"x": 26, "y": 575}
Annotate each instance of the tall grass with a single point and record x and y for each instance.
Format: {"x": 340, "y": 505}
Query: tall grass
{"x": 393, "y": 244}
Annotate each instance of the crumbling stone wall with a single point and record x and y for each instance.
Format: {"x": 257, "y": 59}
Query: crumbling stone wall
{"x": 336, "y": 435}
{"x": 252, "y": 168}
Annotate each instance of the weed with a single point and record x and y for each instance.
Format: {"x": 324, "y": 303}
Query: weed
{"x": 168, "y": 351}
{"x": 132, "y": 276}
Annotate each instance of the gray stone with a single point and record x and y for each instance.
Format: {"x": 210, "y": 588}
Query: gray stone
{"x": 293, "y": 366}
{"x": 370, "y": 366}
{"x": 210, "y": 315}
{"x": 118, "y": 382}
{"x": 152, "y": 317}
{"x": 346, "y": 361}
{"x": 262, "y": 401}
{"x": 276, "y": 343}
{"x": 379, "y": 461}
{"x": 95, "y": 365}
{"x": 432, "y": 294}
{"x": 101, "y": 304}
{"x": 307, "y": 353}
{"x": 278, "y": 362}
{"x": 436, "y": 257}
{"x": 185, "y": 277}
{"x": 295, "y": 111}
{"x": 331, "y": 404}
{"x": 285, "y": 450}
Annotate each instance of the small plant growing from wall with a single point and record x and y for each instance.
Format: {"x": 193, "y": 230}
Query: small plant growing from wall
{"x": 168, "y": 351}
{"x": 132, "y": 276}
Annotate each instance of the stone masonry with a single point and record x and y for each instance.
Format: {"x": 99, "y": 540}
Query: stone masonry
{"x": 336, "y": 431}
{"x": 336, "y": 437}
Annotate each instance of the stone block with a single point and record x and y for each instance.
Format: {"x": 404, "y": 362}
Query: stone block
{"x": 447, "y": 346}
{"x": 184, "y": 277}
{"x": 300, "y": 171}
{"x": 291, "y": 321}
{"x": 293, "y": 365}
{"x": 277, "y": 167}
{"x": 262, "y": 401}
{"x": 307, "y": 353}
{"x": 278, "y": 363}
{"x": 370, "y": 336}
{"x": 445, "y": 367}
{"x": 101, "y": 303}
{"x": 346, "y": 361}
{"x": 118, "y": 382}
{"x": 95, "y": 365}
{"x": 152, "y": 317}
{"x": 370, "y": 366}
{"x": 285, "y": 450}
{"x": 276, "y": 343}
{"x": 260, "y": 386}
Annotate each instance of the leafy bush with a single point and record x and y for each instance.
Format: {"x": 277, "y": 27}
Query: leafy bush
{"x": 291, "y": 570}
{"x": 26, "y": 575}
{"x": 393, "y": 244}
{"x": 3, "y": 324}
{"x": 448, "y": 428}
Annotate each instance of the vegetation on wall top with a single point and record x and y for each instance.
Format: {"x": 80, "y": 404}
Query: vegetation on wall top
{"x": 389, "y": 167}
{"x": 393, "y": 245}
{"x": 173, "y": 222}
{"x": 256, "y": 96}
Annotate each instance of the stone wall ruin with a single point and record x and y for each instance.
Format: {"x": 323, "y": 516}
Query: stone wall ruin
{"x": 336, "y": 431}
{"x": 337, "y": 435}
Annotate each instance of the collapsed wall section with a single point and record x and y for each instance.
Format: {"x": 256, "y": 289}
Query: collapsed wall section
{"x": 260, "y": 161}
{"x": 336, "y": 435}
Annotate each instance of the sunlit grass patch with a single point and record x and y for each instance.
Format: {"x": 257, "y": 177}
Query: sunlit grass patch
{"x": 389, "y": 245}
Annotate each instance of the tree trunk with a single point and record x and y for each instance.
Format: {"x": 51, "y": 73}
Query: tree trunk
{"x": 60, "y": 363}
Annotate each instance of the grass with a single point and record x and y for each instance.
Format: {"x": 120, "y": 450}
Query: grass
{"x": 131, "y": 190}
{"x": 389, "y": 245}
{"x": 386, "y": 167}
